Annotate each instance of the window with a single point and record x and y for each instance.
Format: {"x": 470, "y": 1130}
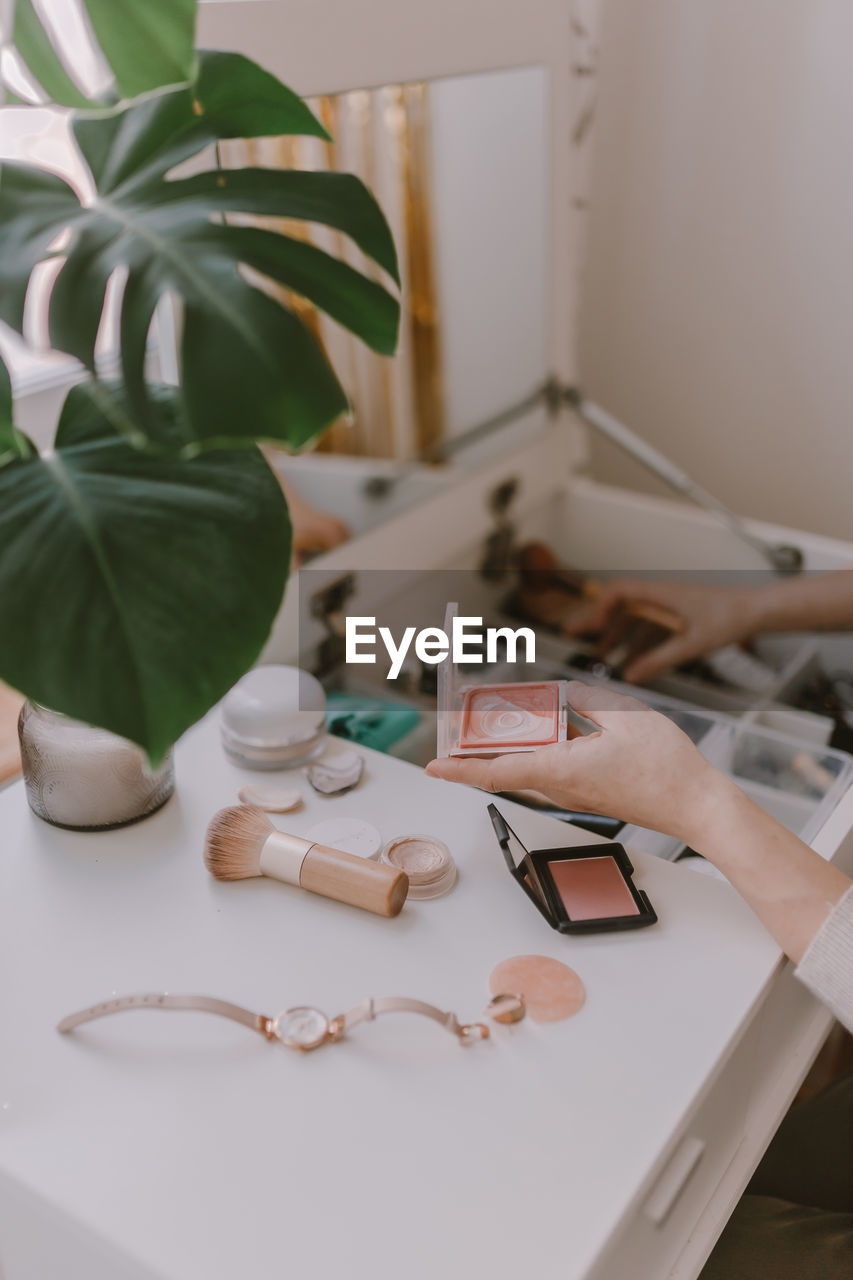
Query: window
{"x": 40, "y": 135}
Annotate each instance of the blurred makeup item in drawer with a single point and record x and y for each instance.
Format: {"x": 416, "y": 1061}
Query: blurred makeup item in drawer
{"x": 557, "y": 596}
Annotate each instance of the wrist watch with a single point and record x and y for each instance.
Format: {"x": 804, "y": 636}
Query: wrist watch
{"x": 304, "y": 1027}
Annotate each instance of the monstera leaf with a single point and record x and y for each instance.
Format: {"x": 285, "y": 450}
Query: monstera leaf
{"x": 146, "y": 44}
{"x": 13, "y": 445}
{"x": 134, "y": 588}
{"x": 249, "y": 367}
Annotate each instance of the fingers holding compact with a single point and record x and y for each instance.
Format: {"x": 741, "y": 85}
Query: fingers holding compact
{"x": 599, "y": 704}
{"x": 515, "y": 772}
{"x": 637, "y": 765}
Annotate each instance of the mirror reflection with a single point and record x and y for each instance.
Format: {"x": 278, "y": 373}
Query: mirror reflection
{"x": 460, "y": 168}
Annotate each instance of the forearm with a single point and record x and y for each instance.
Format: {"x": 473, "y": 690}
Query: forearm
{"x": 790, "y": 888}
{"x": 813, "y": 602}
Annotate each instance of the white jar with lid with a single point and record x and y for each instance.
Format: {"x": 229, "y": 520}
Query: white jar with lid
{"x": 274, "y": 718}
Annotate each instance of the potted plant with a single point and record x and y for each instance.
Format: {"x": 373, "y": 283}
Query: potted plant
{"x": 144, "y": 557}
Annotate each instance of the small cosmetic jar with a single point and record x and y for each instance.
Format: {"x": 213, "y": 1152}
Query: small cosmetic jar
{"x": 350, "y": 835}
{"x": 426, "y": 861}
{"x": 274, "y": 718}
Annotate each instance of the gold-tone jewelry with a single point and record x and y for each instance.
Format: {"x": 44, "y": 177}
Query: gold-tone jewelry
{"x": 506, "y": 1008}
{"x": 304, "y": 1027}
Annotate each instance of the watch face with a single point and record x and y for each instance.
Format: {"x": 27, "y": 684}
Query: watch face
{"x": 302, "y": 1028}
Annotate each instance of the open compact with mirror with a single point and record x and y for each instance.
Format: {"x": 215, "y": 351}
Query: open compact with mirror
{"x": 580, "y": 889}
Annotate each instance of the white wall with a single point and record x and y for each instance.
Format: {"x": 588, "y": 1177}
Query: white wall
{"x": 717, "y": 311}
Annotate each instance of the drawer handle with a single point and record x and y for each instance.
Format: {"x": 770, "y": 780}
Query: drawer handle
{"x": 672, "y": 1181}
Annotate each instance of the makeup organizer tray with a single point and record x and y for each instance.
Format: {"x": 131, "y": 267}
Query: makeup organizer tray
{"x": 796, "y": 782}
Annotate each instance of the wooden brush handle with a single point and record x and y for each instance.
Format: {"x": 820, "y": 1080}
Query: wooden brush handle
{"x": 540, "y": 570}
{"x": 358, "y": 881}
{"x": 658, "y": 614}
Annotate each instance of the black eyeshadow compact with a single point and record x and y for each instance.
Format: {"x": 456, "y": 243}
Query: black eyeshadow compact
{"x": 582, "y": 889}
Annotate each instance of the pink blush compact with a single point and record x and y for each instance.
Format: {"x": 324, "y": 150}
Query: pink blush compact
{"x": 511, "y": 715}
{"x": 593, "y": 888}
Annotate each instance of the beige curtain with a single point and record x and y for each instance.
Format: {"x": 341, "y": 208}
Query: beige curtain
{"x": 383, "y": 136}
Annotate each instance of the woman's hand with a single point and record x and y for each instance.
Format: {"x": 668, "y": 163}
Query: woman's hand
{"x": 314, "y": 531}
{"x": 713, "y": 617}
{"x": 637, "y": 766}
{"x": 640, "y": 767}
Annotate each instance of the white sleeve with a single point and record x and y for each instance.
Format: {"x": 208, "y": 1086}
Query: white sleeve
{"x": 827, "y": 966}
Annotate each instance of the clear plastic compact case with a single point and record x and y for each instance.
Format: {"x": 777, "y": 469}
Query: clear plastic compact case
{"x": 479, "y": 719}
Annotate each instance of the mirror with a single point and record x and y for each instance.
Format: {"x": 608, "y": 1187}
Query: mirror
{"x": 460, "y": 167}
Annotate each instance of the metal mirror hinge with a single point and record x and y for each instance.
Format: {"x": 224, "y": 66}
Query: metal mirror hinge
{"x": 497, "y": 558}
{"x": 328, "y": 607}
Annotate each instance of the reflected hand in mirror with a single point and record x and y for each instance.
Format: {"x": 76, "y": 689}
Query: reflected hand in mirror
{"x": 314, "y": 531}
{"x": 715, "y": 616}
{"x": 460, "y": 165}
{"x": 712, "y": 616}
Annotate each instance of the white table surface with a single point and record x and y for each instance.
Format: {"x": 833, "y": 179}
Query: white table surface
{"x": 200, "y": 1150}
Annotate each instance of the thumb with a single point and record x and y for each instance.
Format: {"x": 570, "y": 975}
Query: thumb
{"x": 515, "y": 772}
{"x": 599, "y": 704}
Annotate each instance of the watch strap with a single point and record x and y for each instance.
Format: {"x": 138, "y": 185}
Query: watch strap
{"x": 369, "y": 1009}
{"x": 161, "y": 1000}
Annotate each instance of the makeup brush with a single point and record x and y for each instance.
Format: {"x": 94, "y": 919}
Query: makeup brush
{"x": 540, "y": 571}
{"x": 242, "y": 842}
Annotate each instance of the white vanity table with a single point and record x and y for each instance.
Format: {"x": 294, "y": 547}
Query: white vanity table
{"x": 183, "y": 1147}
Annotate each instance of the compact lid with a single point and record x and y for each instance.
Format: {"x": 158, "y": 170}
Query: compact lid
{"x": 513, "y": 850}
{"x": 449, "y": 694}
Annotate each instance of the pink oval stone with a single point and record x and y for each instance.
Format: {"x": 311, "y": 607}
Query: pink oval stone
{"x": 552, "y": 991}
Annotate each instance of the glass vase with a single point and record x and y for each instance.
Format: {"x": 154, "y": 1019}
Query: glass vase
{"x": 84, "y": 778}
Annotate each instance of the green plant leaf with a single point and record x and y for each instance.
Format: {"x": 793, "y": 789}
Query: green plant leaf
{"x": 249, "y": 367}
{"x": 5, "y": 399}
{"x": 34, "y": 207}
{"x": 34, "y": 46}
{"x": 79, "y": 295}
{"x": 338, "y": 200}
{"x": 147, "y": 44}
{"x": 135, "y": 589}
{"x": 13, "y": 443}
{"x": 357, "y": 303}
{"x": 232, "y": 97}
{"x": 284, "y": 376}
{"x": 141, "y": 142}
{"x": 238, "y": 99}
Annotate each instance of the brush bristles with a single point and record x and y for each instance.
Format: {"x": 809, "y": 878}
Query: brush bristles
{"x": 234, "y": 840}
